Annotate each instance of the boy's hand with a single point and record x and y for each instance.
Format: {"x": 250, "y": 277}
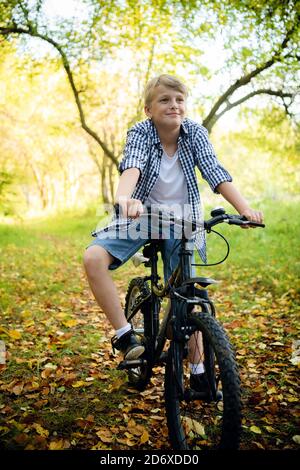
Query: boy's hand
{"x": 130, "y": 207}
{"x": 253, "y": 216}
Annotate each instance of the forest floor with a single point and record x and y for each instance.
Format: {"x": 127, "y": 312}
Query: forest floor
{"x": 60, "y": 388}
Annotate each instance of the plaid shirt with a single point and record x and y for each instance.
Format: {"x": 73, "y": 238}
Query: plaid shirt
{"x": 143, "y": 150}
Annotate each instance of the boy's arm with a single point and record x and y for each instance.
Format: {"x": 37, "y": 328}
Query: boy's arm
{"x": 233, "y": 196}
{"x": 127, "y": 183}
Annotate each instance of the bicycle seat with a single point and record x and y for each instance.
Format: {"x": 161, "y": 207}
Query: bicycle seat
{"x": 203, "y": 281}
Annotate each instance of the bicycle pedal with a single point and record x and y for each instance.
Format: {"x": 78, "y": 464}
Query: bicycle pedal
{"x": 131, "y": 364}
{"x": 191, "y": 395}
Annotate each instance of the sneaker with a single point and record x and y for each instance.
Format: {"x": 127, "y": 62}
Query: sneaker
{"x": 199, "y": 383}
{"x": 128, "y": 345}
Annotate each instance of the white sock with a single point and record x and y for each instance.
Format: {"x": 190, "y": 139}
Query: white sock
{"x": 123, "y": 330}
{"x": 197, "y": 368}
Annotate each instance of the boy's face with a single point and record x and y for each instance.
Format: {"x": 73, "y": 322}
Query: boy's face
{"x": 167, "y": 108}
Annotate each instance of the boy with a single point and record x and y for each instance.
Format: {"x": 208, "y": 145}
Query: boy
{"x": 158, "y": 167}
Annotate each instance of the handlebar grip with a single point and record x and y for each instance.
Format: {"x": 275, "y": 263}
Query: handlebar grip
{"x": 240, "y": 222}
{"x": 254, "y": 224}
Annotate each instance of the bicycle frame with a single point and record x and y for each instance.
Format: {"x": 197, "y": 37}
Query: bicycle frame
{"x": 179, "y": 275}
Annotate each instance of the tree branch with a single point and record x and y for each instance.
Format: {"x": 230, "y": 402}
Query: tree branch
{"x": 229, "y": 105}
{"x": 5, "y": 31}
{"x": 212, "y": 116}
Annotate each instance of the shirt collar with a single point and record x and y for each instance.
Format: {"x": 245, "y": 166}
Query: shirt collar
{"x": 155, "y": 136}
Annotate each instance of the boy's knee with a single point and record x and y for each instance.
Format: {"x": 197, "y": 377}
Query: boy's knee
{"x": 96, "y": 256}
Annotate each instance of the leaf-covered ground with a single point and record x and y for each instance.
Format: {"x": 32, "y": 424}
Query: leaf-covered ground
{"x": 59, "y": 385}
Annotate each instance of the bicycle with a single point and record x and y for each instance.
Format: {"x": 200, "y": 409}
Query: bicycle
{"x": 195, "y": 419}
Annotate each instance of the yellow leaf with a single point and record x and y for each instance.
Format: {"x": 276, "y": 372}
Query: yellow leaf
{"x": 105, "y": 435}
{"x": 40, "y": 430}
{"x": 144, "y": 437}
{"x": 26, "y": 314}
{"x": 260, "y": 446}
{"x": 4, "y": 330}
{"x": 70, "y": 323}
{"x": 296, "y": 439}
{"x": 56, "y": 445}
{"x": 255, "y": 429}
{"x": 292, "y": 399}
{"x": 78, "y": 384}
{"x": 195, "y": 426}
{"x": 271, "y": 390}
{"x": 270, "y": 429}
{"x": 14, "y": 334}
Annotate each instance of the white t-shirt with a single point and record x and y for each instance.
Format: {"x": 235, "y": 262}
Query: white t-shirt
{"x": 170, "y": 189}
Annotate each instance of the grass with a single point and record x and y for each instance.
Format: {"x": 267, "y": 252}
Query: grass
{"x": 60, "y": 373}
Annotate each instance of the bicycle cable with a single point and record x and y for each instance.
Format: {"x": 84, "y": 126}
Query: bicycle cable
{"x": 198, "y": 264}
{"x": 226, "y": 255}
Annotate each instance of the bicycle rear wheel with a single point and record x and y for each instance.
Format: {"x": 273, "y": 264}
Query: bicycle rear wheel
{"x": 138, "y": 314}
{"x": 197, "y": 420}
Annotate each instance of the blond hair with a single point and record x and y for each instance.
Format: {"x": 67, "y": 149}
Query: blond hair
{"x": 166, "y": 80}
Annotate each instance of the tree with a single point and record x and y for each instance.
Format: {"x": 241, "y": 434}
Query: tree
{"x": 260, "y": 46}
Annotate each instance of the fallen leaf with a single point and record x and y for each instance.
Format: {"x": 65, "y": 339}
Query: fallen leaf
{"x": 17, "y": 389}
{"x": 50, "y": 366}
{"x": 105, "y": 435}
{"x": 255, "y": 429}
{"x": 259, "y": 445}
{"x": 40, "y": 430}
{"x": 78, "y": 384}
{"x": 14, "y": 334}
{"x": 144, "y": 437}
{"x": 56, "y": 445}
{"x": 270, "y": 429}
{"x": 195, "y": 426}
{"x": 70, "y": 323}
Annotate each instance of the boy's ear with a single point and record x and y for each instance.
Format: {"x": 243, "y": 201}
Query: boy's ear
{"x": 147, "y": 111}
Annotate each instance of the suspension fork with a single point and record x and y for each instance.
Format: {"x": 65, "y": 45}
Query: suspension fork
{"x": 155, "y": 303}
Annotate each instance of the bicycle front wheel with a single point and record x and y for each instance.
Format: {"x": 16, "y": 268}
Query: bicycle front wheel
{"x": 198, "y": 420}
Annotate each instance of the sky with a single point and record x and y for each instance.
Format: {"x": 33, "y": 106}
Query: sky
{"x": 65, "y": 9}
{"x": 213, "y": 56}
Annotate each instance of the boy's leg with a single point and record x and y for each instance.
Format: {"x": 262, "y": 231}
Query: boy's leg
{"x": 96, "y": 262}
{"x": 104, "y": 254}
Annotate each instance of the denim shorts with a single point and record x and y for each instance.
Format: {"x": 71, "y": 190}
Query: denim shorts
{"x": 123, "y": 247}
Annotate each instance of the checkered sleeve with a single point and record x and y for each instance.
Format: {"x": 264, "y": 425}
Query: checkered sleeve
{"x": 135, "y": 151}
{"x": 211, "y": 169}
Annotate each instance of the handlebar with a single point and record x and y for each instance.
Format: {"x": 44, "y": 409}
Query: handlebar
{"x": 231, "y": 219}
{"x": 218, "y": 216}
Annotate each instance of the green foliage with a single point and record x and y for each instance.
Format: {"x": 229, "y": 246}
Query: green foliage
{"x": 6, "y": 181}
{"x": 113, "y": 48}
{"x": 263, "y": 153}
